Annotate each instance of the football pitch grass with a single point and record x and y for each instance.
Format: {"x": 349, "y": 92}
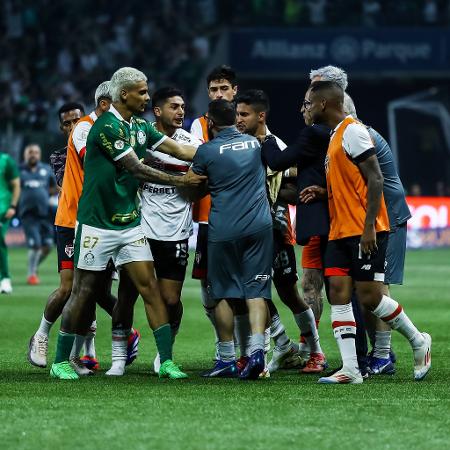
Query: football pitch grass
{"x": 139, "y": 411}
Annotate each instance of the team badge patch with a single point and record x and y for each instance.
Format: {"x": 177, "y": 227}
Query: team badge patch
{"x": 69, "y": 250}
{"x": 141, "y": 137}
{"x": 119, "y": 145}
{"x": 89, "y": 259}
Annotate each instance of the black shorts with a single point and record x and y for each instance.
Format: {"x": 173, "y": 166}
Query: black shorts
{"x": 200, "y": 268}
{"x": 241, "y": 268}
{"x": 64, "y": 247}
{"x": 284, "y": 262}
{"x": 344, "y": 258}
{"x": 170, "y": 258}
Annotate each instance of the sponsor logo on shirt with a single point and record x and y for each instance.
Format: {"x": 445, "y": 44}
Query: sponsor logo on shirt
{"x": 159, "y": 190}
{"x": 240, "y": 145}
{"x": 262, "y": 277}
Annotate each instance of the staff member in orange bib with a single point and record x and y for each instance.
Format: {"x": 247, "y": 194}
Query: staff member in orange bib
{"x": 359, "y": 228}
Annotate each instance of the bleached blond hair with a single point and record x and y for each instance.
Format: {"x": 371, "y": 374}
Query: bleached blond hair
{"x": 124, "y": 78}
{"x": 349, "y": 106}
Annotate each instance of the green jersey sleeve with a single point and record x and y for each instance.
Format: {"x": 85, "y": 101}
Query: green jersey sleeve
{"x": 11, "y": 170}
{"x": 114, "y": 139}
{"x": 154, "y": 137}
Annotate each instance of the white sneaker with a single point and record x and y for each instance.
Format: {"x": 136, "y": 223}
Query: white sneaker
{"x": 285, "y": 359}
{"x": 156, "y": 364}
{"x": 37, "y": 350}
{"x": 422, "y": 358}
{"x": 79, "y": 367}
{"x": 343, "y": 376}
{"x": 117, "y": 368}
{"x": 5, "y": 286}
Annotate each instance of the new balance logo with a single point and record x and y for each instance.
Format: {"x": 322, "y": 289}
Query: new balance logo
{"x": 262, "y": 277}
{"x": 366, "y": 267}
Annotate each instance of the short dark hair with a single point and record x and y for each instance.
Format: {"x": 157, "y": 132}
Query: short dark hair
{"x": 256, "y": 98}
{"x": 318, "y": 86}
{"x": 222, "y": 72}
{"x": 222, "y": 112}
{"x": 69, "y": 107}
{"x": 160, "y": 96}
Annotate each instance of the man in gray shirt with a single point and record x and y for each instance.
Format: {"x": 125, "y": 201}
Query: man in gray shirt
{"x": 240, "y": 242}
{"x": 37, "y": 183}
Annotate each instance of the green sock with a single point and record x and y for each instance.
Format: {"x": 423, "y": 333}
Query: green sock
{"x": 163, "y": 338}
{"x": 64, "y": 346}
{"x": 4, "y": 269}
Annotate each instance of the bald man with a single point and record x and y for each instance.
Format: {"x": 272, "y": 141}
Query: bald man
{"x": 37, "y": 184}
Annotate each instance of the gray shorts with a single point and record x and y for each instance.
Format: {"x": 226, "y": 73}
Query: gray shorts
{"x": 38, "y": 231}
{"x": 395, "y": 255}
{"x": 242, "y": 268}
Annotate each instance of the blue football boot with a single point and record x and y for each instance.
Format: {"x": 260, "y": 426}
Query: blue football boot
{"x": 254, "y": 367}
{"x": 222, "y": 369}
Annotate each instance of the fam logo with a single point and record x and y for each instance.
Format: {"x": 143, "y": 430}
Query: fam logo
{"x": 42, "y": 172}
{"x": 89, "y": 259}
{"x": 345, "y": 50}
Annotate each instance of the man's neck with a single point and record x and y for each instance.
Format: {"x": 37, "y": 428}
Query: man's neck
{"x": 216, "y": 130}
{"x": 123, "y": 111}
{"x": 335, "y": 118}
{"x": 165, "y": 129}
{"x": 261, "y": 130}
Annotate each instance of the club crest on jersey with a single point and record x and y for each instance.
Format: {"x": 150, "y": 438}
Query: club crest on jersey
{"x": 119, "y": 145}
{"x": 89, "y": 259}
{"x": 141, "y": 137}
{"x": 68, "y": 250}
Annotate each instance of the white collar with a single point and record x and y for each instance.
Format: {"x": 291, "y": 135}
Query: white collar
{"x": 93, "y": 116}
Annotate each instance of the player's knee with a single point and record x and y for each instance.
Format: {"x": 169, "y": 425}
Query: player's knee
{"x": 369, "y": 294}
{"x": 171, "y": 299}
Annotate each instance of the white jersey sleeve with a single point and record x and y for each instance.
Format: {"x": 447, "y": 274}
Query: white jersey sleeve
{"x": 79, "y": 136}
{"x": 197, "y": 130}
{"x": 356, "y": 140}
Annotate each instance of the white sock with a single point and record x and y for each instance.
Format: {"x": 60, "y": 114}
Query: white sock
{"x": 209, "y": 306}
{"x": 77, "y": 346}
{"x": 382, "y": 345}
{"x": 344, "y": 329}
{"x": 392, "y": 313}
{"x": 242, "y": 333}
{"x": 266, "y": 341}
{"x": 278, "y": 333}
{"x": 119, "y": 351}
{"x": 226, "y": 351}
{"x": 44, "y": 327}
{"x": 89, "y": 344}
{"x": 256, "y": 342}
{"x": 307, "y": 325}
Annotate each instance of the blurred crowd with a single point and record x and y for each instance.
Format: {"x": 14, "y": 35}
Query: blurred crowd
{"x": 54, "y": 52}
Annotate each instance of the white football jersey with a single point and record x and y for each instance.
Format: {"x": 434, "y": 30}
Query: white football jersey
{"x": 166, "y": 215}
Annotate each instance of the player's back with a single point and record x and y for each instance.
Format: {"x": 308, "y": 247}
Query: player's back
{"x": 236, "y": 178}
{"x": 394, "y": 194}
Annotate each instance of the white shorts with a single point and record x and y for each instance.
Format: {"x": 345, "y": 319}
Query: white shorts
{"x": 94, "y": 247}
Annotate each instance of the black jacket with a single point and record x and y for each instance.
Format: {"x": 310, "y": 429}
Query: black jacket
{"x": 308, "y": 153}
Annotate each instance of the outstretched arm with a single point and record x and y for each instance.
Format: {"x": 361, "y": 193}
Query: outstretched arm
{"x": 179, "y": 151}
{"x": 132, "y": 164}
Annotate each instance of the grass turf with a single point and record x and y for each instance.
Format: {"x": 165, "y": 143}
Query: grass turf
{"x": 140, "y": 411}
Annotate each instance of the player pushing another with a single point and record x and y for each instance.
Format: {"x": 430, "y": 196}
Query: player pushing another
{"x": 112, "y": 229}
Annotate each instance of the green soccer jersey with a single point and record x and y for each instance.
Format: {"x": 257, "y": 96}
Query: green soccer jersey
{"x": 8, "y": 171}
{"x": 108, "y": 199}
